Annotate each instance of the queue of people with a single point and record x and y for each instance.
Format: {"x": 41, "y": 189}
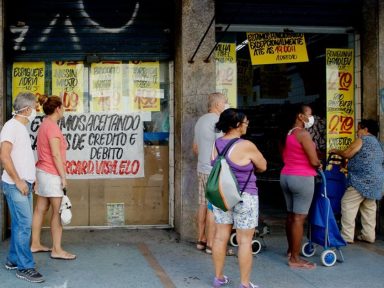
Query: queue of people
{"x": 297, "y": 180}
{"x": 21, "y": 177}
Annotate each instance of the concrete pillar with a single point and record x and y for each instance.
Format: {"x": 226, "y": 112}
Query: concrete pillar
{"x": 381, "y": 97}
{"x": 369, "y": 53}
{"x": 2, "y": 109}
{"x": 373, "y": 73}
{"x": 193, "y": 82}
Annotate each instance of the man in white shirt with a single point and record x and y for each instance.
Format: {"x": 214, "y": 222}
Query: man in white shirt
{"x": 204, "y": 139}
{"x": 18, "y": 179}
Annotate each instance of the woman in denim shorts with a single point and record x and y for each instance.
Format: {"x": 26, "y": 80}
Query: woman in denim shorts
{"x": 244, "y": 158}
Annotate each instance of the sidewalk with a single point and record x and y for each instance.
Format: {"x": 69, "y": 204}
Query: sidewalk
{"x": 156, "y": 258}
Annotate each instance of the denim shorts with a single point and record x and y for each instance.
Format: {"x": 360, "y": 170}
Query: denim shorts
{"x": 245, "y": 215}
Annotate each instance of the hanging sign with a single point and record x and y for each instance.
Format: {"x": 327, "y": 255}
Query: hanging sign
{"x": 145, "y": 89}
{"x": 276, "y": 48}
{"x": 340, "y": 98}
{"x": 106, "y": 86}
{"x": 68, "y": 83}
{"x": 28, "y": 77}
{"x": 226, "y": 74}
{"x": 101, "y": 145}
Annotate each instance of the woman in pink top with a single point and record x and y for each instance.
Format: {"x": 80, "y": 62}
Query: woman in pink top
{"x": 51, "y": 178}
{"x": 297, "y": 181}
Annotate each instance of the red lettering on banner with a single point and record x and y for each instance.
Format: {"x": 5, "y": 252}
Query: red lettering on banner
{"x": 103, "y": 167}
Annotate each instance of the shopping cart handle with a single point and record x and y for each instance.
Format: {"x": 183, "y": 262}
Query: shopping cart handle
{"x": 322, "y": 175}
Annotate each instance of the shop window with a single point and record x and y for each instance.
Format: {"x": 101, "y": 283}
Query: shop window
{"x": 117, "y": 127}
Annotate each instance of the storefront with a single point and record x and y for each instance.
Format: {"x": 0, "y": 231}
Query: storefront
{"x": 113, "y": 67}
{"x": 267, "y": 64}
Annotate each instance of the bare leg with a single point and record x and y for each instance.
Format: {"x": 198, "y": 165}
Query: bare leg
{"x": 244, "y": 238}
{"x": 201, "y": 217}
{"x": 57, "y": 231}
{"x": 41, "y": 208}
{"x": 210, "y": 228}
{"x": 219, "y": 248}
{"x": 288, "y": 229}
{"x": 296, "y": 233}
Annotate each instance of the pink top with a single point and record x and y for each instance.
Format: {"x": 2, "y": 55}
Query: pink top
{"x": 296, "y": 162}
{"x": 48, "y": 130}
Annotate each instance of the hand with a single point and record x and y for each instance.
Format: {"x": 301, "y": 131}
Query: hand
{"x": 63, "y": 182}
{"x": 35, "y": 187}
{"x": 22, "y": 186}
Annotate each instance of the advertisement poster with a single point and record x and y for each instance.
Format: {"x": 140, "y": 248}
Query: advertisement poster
{"x": 145, "y": 89}
{"x": 68, "y": 83}
{"x": 226, "y": 71}
{"x": 101, "y": 145}
{"x": 276, "y": 48}
{"x": 106, "y": 86}
{"x": 340, "y": 98}
{"x": 28, "y": 77}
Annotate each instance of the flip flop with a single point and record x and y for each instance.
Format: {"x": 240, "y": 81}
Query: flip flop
{"x": 201, "y": 245}
{"x": 302, "y": 265}
{"x": 42, "y": 251}
{"x": 63, "y": 258}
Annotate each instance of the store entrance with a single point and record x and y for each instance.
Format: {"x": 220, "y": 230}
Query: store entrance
{"x": 266, "y": 92}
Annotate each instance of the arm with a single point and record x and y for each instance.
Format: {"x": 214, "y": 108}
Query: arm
{"x": 6, "y": 160}
{"x": 195, "y": 149}
{"x": 257, "y": 158}
{"x": 54, "y": 144}
{"x": 350, "y": 151}
{"x": 309, "y": 148}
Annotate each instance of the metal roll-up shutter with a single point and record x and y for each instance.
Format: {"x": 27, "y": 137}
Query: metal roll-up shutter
{"x": 73, "y": 29}
{"x": 335, "y": 13}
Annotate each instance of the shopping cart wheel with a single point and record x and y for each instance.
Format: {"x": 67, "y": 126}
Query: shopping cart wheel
{"x": 328, "y": 258}
{"x": 233, "y": 240}
{"x": 308, "y": 250}
{"x": 256, "y": 247}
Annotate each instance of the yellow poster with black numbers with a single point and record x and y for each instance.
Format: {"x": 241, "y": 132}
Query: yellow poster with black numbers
{"x": 340, "y": 98}
{"x": 68, "y": 83}
{"x": 145, "y": 92}
{"x": 226, "y": 71}
{"x": 277, "y": 48}
{"x": 106, "y": 86}
{"x": 28, "y": 77}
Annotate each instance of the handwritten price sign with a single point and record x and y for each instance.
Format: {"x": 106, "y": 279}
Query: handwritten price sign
{"x": 340, "y": 125}
{"x": 340, "y": 98}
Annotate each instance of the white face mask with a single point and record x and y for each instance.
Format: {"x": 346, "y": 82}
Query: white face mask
{"x": 310, "y": 122}
{"x": 30, "y": 117}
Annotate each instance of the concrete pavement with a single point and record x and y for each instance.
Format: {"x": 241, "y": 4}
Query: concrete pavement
{"x": 156, "y": 258}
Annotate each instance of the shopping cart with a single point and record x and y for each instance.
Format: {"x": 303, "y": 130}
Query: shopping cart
{"x": 323, "y": 229}
{"x": 260, "y": 232}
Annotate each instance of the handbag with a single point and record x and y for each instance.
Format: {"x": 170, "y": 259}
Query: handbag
{"x": 65, "y": 209}
{"x": 222, "y": 189}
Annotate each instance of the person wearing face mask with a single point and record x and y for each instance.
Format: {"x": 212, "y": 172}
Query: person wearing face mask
{"x": 51, "y": 154}
{"x": 365, "y": 182}
{"x": 297, "y": 179}
{"x": 204, "y": 137}
{"x": 244, "y": 159}
{"x": 18, "y": 179}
